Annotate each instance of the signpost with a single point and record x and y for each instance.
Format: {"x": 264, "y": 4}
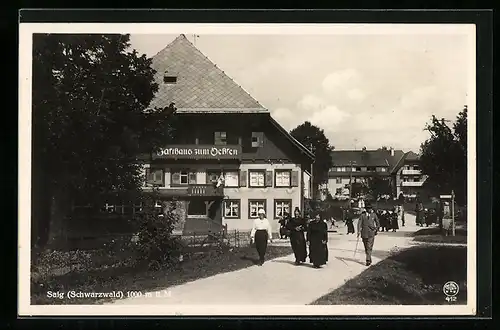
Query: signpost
{"x": 448, "y": 213}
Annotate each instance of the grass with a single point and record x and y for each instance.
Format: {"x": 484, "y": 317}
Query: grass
{"x": 132, "y": 279}
{"x": 434, "y": 235}
{"x": 414, "y": 276}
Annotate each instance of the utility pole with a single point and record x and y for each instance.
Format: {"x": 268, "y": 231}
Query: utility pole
{"x": 351, "y": 163}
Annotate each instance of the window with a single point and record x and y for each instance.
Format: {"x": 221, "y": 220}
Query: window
{"x": 169, "y": 79}
{"x": 358, "y": 169}
{"x": 109, "y": 208}
{"x": 342, "y": 169}
{"x": 154, "y": 177}
{"x": 158, "y": 207}
{"x": 283, "y": 178}
{"x": 382, "y": 169}
{"x": 257, "y": 178}
{"x": 232, "y": 209}
{"x": 220, "y": 138}
{"x": 254, "y": 206}
{"x": 197, "y": 208}
{"x": 371, "y": 169}
{"x": 338, "y": 180}
{"x": 282, "y": 206}
{"x": 183, "y": 177}
{"x": 212, "y": 176}
{"x": 257, "y": 139}
{"x": 232, "y": 179}
{"x": 138, "y": 208}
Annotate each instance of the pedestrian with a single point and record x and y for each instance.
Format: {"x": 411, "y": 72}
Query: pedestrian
{"x": 284, "y": 232}
{"x": 297, "y": 227}
{"x": 394, "y": 219}
{"x": 419, "y": 210}
{"x": 317, "y": 237}
{"x": 384, "y": 220}
{"x": 368, "y": 225}
{"x": 261, "y": 233}
{"x": 349, "y": 221}
{"x": 402, "y": 214}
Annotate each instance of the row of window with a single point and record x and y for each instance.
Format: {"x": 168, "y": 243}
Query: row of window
{"x": 232, "y": 208}
{"x": 198, "y": 208}
{"x": 232, "y": 178}
{"x": 359, "y": 169}
{"x": 223, "y": 138}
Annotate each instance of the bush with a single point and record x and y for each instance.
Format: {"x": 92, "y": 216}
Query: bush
{"x": 155, "y": 243}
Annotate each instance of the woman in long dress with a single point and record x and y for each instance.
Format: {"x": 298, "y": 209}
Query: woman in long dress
{"x": 260, "y": 234}
{"x": 394, "y": 219}
{"x": 297, "y": 226}
{"x": 317, "y": 236}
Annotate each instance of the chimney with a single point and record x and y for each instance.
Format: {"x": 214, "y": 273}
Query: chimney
{"x": 392, "y": 152}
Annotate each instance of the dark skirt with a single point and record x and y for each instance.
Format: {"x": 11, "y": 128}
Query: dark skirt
{"x": 318, "y": 252}
{"x": 394, "y": 223}
{"x": 298, "y": 243}
{"x": 261, "y": 238}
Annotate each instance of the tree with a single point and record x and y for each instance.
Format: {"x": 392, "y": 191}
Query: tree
{"x": 444, "y": 156}
{"x": 379, "y": 186}
{"x": 314, "y": 138}
{"x": 90, "y": 93}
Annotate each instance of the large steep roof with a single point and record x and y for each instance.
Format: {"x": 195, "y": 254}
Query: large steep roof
{"x": 200, "y": 85}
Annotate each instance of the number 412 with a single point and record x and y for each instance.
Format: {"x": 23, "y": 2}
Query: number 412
{"x": 451, "y": 299}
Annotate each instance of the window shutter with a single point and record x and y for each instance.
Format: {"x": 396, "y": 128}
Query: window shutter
{"x": 176, "y": 178}
{"x": 261, "y": 139}
{"x": 192, "y": 177}
{"x": 294, "y": 179}
{"x": 157, "y": 176}
{"x": 243, "y": 178}
{"x": 149, "y": 176}
{"x": 269, "y": 178}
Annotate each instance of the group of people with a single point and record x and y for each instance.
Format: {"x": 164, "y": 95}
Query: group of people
{"x": 302, "y": 233}
{"x": 389, "y": 219}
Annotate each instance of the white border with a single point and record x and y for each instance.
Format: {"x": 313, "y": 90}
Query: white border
{"x": 24, "y": 198}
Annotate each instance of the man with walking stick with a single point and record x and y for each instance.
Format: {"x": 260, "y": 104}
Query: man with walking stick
{"x": 368, "y": 225}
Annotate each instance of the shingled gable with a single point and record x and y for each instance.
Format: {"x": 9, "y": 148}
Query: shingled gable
{"x": 200, "y": 85}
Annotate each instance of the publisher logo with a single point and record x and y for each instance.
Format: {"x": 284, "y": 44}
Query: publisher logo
{"x": 450, "y": 290}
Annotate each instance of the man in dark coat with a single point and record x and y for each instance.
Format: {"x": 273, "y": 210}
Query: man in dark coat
{"x": 368, "y": 225}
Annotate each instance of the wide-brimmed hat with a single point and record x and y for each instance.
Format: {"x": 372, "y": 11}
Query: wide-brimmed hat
{"x": 368, "y": 206}
{"x": 261, "y": 211}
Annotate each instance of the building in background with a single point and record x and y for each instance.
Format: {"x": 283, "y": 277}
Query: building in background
{"x": 409, "y": 178}
{"x": 360, "y": 165}
{"x": 229, "y": 157}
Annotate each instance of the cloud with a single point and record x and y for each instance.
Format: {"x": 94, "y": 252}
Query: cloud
{"x": 356, "y": 94}
{"x": 328, "y": 118}
{"x": 339, "y": 79}
{"x": 311, "y": 103}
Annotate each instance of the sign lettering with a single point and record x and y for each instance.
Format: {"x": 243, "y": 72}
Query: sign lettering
{"x": 203, "y": 152}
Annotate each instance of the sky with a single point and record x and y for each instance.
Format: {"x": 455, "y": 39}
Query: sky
{"x": 362, "y": 90}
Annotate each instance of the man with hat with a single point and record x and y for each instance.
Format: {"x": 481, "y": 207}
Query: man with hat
{"x": 368, "y": 225}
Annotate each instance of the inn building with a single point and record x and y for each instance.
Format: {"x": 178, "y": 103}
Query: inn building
{"x": 228, "y": 157}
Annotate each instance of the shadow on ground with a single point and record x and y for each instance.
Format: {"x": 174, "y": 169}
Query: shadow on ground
{"x": 414, "y": 276}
